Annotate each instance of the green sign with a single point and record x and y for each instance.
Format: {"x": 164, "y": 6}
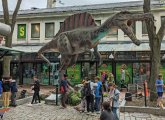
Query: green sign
{"x": 74, "y": 73}
{"x": 21, "y": 31}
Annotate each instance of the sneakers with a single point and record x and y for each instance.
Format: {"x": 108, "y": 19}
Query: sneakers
{"x": 29, "y": 104}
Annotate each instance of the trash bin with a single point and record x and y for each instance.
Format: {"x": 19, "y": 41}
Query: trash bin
{"x": 128, "y": 96}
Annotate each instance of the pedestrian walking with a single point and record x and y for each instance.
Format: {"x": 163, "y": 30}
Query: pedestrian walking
{"x": 6, "y": 91}
{"x": 14, "y": 91}
{"x": 64, "y": 87}
{"x": 107, "y": 114}
{"x": 115, "y": 100}
{"x": 159, "y": 89}
{"x": 36, "y": 88}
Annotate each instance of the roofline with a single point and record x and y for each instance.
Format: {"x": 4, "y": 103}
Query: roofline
{"x": 84, "y": 8}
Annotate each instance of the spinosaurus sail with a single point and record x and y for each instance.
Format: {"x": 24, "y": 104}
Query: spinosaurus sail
{"x": 79, "y": 33}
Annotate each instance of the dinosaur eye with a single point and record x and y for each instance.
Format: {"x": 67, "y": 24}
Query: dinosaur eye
{"x": 129, "y": 22}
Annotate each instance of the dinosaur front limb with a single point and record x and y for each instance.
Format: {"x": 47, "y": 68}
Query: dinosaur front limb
{"x": 43, "y": 57}
{"x": 98, "y": 56}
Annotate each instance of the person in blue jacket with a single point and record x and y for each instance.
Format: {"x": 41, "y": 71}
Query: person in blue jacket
{"x": 98, "y": 94}
{"x": 0, "y": 87}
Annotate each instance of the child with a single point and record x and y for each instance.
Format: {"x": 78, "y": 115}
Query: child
{"x": 114, "y": 98}
{"x": 82, "y": 106}
{"x": 14, "y": 91}
{"x": 106, "y": 113}
{"x": 6, "y": 91}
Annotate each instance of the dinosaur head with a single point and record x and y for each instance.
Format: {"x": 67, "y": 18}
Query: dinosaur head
{"x": 124, "y": 21}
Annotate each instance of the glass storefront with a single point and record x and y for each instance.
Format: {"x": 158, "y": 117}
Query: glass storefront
{"x": 141, "y": 72}
{"x": 123, "y": 72}
{"x": 105, "y": 67}
{"x": 162, "y": 71}
{"x": 74, "y": 73}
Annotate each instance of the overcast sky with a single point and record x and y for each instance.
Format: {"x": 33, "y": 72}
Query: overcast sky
{"x": 27, "y": 4}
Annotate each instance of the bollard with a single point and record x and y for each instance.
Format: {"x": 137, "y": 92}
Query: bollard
{"x": 145, "y": 99}
{"x": 56, "y": 94}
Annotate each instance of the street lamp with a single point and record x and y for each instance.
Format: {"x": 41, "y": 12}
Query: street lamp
{"x": 59, "y": 56}
{"x": 163, "y": 57}
{"x": 111, "y": 56}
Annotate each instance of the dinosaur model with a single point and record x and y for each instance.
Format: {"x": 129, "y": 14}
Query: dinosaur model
{"x": 84, "y": 34}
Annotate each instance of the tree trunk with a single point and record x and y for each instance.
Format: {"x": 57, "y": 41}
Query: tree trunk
{"x": 155, "y": 68}
{"x": 6, "y": 65}
{"x": 8, "y": 40}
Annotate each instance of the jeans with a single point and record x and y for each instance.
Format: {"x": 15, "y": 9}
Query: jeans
{"x": 13, "y": 98}
{"x": 97, "y": 103}
{"x": 90, "y": 103}
{"x": 116, "y": 113}
{"x": 35, "y": 96}
{"x": 63, "y": 99}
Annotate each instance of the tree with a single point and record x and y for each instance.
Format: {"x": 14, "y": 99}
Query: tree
{"x": 155, "y": 40}
{"x": 8, "y": 39}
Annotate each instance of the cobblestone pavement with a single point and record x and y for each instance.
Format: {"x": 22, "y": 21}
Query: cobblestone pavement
{"x": 50, "y": 112}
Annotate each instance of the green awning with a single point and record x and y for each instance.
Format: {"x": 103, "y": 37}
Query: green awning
{"x": 5, "y": 51}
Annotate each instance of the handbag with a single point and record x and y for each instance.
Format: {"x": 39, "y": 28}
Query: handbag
{"x": 62, "y": 89}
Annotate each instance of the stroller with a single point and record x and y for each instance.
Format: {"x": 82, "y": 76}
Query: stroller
{"x": 23, "y": 94}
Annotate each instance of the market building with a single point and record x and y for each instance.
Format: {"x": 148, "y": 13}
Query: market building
{"x": 35, "y": 27}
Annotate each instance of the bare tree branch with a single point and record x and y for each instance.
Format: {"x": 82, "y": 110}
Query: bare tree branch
{"x": 151, "y": 28}
{"x": 15, "y": 15}
{"x": 161, "y": 31}
{"x": 5, "y": 11}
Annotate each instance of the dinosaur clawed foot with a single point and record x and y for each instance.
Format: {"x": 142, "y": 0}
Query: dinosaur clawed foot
{"x": 100, "y": 62}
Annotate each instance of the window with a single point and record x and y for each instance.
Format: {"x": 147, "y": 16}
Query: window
{"x": 162, "y": 19}
{"x": 144, "y": 28}
{"x": 98, "y": 22}
{"x": 35, "y": 30}
{"x": 49, "y": 30}
{"x": 61, "y": 23}
{"x": 113, "y": 31}
{"x": 21, "y": 33}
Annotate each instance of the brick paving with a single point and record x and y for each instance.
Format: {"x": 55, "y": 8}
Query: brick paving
{"x": 50, "y": 112}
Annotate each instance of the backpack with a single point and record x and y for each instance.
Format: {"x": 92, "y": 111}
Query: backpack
{"x": 88, "y": 90}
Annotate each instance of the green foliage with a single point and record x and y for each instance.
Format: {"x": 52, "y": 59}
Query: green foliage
{"x": 74, "y": 98}
{"x": 105, "y": 94}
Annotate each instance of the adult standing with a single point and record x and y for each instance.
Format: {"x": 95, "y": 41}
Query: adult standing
{"x": 14, "y": 91}
{"x": 115, "y": 100}
{"x": 159, "y": 89}
{"x": 0, "y": 87}
{"x": 89, "y": 93}
{"x": 64, "y": 86}
{"x": 36, "y": 88}
{"x": 98, "y": 93}
{"x": 6, "y": 91}
{"x": 122, "y": 77}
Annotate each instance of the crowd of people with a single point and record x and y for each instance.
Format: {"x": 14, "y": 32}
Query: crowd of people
{"x": 8, "y": 90}
{"x": 92, "y": 97}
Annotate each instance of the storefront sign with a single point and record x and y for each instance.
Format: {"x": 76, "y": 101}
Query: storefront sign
{"x": 21, "y": 31}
